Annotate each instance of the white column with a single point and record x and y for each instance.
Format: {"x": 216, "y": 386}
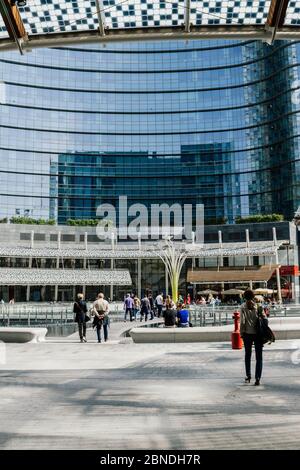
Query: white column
{"x": 249, "y": 261}
{"x": 112, "y": 286}
{"x": 277, "y": 268}
{"x": 57, "y": 264}
{"x": 56, "y": 287}
{"x": 139, "y": 270}
{"x": 32, "y": 239}
{"x": 84, "y": 287}
{"x": 221, "y": 261}
{"x": 28, "y": 287}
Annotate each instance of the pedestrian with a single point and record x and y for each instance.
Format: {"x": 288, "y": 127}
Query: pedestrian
{"x": 248, "y": 330}
{"x": 159, "y": 304}
{"x": 152, "y": 308}
{"x": 145, "y": 308}
{"x": 136, "y": 306}
{"x": 80, "y": 310}
{"x": 101, "y": 316}
{"x": 128, "y": 307}
{"x": 182, "y": 316}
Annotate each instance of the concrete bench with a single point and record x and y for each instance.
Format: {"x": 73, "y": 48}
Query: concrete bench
{"x": 22, "y": 335}
{"x": 284, "y": 328}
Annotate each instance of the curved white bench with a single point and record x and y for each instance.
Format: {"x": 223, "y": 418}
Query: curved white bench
{"x": 284, "y": 328}
{"x": 22, "y": 335}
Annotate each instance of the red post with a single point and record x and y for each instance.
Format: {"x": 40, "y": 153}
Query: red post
{"x": 236, "y": 340}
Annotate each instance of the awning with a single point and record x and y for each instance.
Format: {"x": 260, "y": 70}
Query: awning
{"x": 64, "y": 277}
{"x": 249, "y": 273}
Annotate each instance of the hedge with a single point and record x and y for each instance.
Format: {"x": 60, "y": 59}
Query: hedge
{"x": 259, "y": 218}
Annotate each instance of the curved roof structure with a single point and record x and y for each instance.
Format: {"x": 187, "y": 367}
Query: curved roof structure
{"x": 50, "y": 23}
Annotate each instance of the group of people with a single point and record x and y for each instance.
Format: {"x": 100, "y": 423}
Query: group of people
{"x": 98, "y": 313}
{"x": 175, "y": 315}
{"x": 148, "y": 307}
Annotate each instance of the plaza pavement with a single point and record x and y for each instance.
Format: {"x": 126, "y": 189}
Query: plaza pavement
{"x": 119, "y": 395}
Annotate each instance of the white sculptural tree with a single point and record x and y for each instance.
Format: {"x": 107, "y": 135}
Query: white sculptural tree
{"x": 173, "y": 256}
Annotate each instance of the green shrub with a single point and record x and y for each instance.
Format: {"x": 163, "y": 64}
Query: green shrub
{"x": 31, "y": 221}
{"x": 4, "y": 220}
{"x": 89, "y": 222}
{"x": 259, "y": 218}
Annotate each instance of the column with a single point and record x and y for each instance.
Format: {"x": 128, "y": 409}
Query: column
{"x": 249, "y": 261}
{"x": 221, "y": 261}
{"x": 57, "y": 265}
{"x": 277, "y": 268}
{"x": 112, "y": 286}
{"x": 28, "y": 287}
{"x": 139, "y": 270}
{"x": 84, "y": 287}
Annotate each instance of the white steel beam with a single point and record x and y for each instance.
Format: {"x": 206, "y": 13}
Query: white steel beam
{"x": 232, "y": 32}
{"x": 187, "y": 15}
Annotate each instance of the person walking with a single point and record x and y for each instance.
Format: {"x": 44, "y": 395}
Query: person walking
{"x": 80, "y": 310}
{"x": 136, "y": 306}
{"x": 101, "y": 316}
{"x": 145, "y": 308}
{"x": 152, "y": 308}
{"x": 159, "y": 304}
{"x": 248, "y": 330}
{"x": 128, "y": 307}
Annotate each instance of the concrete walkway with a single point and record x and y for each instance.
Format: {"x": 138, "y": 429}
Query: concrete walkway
{"x": 67, "y": 395}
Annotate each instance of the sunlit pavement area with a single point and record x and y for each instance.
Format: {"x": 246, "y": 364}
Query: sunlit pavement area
{"x": 65, "y": 395}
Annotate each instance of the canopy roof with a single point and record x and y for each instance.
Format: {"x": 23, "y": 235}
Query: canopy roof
{"x": 201, "y": 276}
{"x": 46, "y": 23}
{"x": 65, "y": 277}
{"x": 146, "y": 251}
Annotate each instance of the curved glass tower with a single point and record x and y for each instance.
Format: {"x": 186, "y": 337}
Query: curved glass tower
{"x": 191, "y": 122}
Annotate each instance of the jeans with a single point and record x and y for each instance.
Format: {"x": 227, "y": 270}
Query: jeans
{"x": 82, "y": 329}
{"x": 249, "y": 339}
{"x": 149, "y": 312}
{"x": 159, "y": 310}
{"x": 128, "y": 310}
{"x": 135, "y": 313}
{"x": 105, "y": 331}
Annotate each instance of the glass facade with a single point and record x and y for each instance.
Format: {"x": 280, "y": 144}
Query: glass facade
{"x": 213, "y": 122}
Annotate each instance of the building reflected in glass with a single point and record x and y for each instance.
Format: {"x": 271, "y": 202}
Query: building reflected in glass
{"x": 210, "y": 122}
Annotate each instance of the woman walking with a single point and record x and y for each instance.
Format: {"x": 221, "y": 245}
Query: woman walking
{"x": 80, "y": 310}
{"x": 248, "y": 330}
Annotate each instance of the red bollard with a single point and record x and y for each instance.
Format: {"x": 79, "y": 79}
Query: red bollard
{"x": 236, "y": 340}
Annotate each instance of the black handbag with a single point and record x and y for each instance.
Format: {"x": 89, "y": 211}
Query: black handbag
{"x": 263, "y": 330}
{"x": 77, "y": 318}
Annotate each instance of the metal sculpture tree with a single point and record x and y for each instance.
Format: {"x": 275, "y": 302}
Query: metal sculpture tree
{"x": 173, "y": 256}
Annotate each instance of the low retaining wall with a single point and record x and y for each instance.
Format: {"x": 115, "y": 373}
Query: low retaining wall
{"x": 22, "y": 335}
{"x": 284, "y": 328}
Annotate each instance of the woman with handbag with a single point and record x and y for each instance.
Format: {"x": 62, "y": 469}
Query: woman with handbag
{"x": 250, "y": 314}
{"x": 81, "y": 317}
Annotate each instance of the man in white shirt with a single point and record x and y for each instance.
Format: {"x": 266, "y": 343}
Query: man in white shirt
{"x": 101, "y": 310}
{"x": 159, "y": 303}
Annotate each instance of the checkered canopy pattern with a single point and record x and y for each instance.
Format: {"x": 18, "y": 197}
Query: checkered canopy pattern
{"x": 52, "y": 16}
